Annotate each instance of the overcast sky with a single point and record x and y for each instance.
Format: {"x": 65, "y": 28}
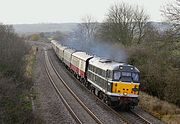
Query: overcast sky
{"x": 60, "y": 11}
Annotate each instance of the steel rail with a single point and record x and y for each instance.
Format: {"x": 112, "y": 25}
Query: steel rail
{"x": 141, "y": 117}
{"x": 59, "y": 94}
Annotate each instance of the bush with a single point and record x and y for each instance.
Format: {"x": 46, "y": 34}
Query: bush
{"x": 169, "y": 113}
{"x": 159, "y": 76}
{"x": 12, "y": 52}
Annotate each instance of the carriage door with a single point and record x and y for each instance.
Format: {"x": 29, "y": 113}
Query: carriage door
{"x": 81, "y": 68}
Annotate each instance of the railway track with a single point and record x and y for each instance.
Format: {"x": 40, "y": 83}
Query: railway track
{"x": 74, "y": 105}
{"x": 141, "y": 117}
{"x": 134, "y": 118}
{"x": 130, "y": 117}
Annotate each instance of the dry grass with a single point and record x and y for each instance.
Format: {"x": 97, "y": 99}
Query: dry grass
{"x": 30, "y": 58}
{"x": 169, "y": 113}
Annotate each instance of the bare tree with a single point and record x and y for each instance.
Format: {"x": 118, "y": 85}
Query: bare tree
{"x": 124, "y": 23}
{"x": 141, "y": 20}
{"x": 88, "y": 28}
{"x": 171, "y": 12}
{"x": 12, "y": 50}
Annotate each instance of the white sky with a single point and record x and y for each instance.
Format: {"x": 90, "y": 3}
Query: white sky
{"x": 60, "y": 11}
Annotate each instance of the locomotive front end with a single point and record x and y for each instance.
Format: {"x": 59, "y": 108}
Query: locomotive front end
{"x": 125, "y": 85}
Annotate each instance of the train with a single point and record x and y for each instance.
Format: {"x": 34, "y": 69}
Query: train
{"x": 115, "y": 83}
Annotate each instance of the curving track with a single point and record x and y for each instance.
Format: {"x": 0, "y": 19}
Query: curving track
{"x": 75, "y": 106}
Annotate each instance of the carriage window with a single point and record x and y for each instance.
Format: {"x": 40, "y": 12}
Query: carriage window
{"x": 95, "y": 70}
{"x": 104, "y": 73}
{"x": 117, "y": 75}
{"x": 90, "y": 68}
{"x": 98, "y": 71}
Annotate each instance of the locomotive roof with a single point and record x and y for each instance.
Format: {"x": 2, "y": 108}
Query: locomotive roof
{"x": 107, "y": 64}
{"x": 82, "y": 55}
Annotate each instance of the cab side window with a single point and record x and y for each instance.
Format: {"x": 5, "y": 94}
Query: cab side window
{"x": 117, "y": 75}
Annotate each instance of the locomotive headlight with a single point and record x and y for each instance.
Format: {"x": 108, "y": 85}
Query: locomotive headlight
{"x": 125, "y": 94}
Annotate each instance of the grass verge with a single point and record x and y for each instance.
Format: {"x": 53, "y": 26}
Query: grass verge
{"x": 167, "y": 112}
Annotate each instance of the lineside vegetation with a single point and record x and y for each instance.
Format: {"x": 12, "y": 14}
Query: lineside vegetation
{"x": 15, "y": 78}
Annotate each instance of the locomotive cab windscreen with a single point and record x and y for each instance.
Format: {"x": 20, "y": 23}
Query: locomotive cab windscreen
{"x": 125, "y": 76}
{"x": 126, "y": 73}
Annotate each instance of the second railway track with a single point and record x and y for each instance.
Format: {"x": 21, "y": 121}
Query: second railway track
{"x": 75, "y": 106}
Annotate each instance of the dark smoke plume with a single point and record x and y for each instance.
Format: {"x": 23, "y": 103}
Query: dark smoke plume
{"x": 103, "y": 49}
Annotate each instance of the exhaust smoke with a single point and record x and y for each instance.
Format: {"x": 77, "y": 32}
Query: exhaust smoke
{"x": 103, "y": 49}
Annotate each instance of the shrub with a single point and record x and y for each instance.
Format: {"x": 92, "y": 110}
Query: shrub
{"x": 159, "y": 76}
